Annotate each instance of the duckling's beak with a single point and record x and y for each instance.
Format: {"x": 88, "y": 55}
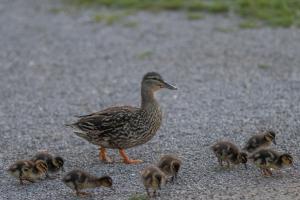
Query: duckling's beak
{"x": 113, "y": 188}
{"x": 274, "y": 142}
{"x": 294, "y": 166}
{"x": 245, "y": 164}
{"x": 168, "y": 85}
{"x": 62, "y": 169}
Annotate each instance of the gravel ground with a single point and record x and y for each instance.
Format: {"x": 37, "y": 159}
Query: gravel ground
{"x": 231, "y": 83}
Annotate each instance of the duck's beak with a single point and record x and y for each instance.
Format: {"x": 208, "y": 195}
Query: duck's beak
{"x": 274, "y": 142}
{"x": 168, "y": 85}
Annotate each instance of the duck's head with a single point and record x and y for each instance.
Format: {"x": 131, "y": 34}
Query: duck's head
{"x": 154, "y": 82}
{"x": 58, "y": 162}
{"x": 287, "y": 159}
{"x": 105, "y": 181}
{"x": 270, "y": 136}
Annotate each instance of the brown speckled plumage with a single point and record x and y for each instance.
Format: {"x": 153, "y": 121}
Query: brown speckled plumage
{"x": 79, "y": 180}
{"x": 230, "y": 153}
{"x": 153, "y": 178}
{"x": 27, "y": 170}
{"x": 267, "y": 159}
{"x": 55, "y": 163}
{"x": 260, "y": 141}
{"x": 125, "y": 127}
{"x": 170, "y": 165}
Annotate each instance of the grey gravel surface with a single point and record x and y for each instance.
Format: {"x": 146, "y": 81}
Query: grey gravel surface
{"x": 231, "y": 83}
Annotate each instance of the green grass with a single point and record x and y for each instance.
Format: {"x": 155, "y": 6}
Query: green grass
{"x": 248, "y": 24}
{"x": 138, "y": 197}
{"x": 282, "y": 13}
{"x": 130, "y": 24}
{"x": 194, "y": 15}
{"x": 225, "y": 29}
{"x": 263, "y": 66}
{"x": 144, "y": 55}
{"x": 109, "y": 17}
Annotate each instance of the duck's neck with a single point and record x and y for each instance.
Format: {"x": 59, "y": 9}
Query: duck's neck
{"x": 148, "y": 99}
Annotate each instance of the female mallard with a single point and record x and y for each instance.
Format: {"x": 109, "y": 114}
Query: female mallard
{"x": 125, "y": 127}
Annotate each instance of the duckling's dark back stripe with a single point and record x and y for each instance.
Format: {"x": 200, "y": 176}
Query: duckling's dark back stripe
{"x": 41, "y": 166}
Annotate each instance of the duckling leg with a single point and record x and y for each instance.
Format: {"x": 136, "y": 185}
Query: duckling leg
{"x": 265, "y": 172}
{"x": 220, "y": 162}
{"x": 269, "y": 172}
{"x": 127, "y": 160}
{"x": 103, "y": 156}
{"x": 228, "y": 164}
{"x": 50, "y": 177}
{"x": 82, "y": 194}
{"x": 154, "y": 193}
{"x": 148, "y": 193}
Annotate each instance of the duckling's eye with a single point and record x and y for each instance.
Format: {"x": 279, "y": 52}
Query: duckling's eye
{"x": 26, "y": 169}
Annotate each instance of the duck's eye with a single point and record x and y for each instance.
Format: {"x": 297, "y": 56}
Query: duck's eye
{"x": 155, "y": 78}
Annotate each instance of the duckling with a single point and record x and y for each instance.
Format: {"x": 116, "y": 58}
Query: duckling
{"x": 79, "y": 180}
{"x": 267, "y": 159}
{"x": 260, "y": 141}
{"x": 28, "y": 170}
{"x": 170, "y": 165}
{"x": 226, "y": 151}
{"x": 153, "y": 178}
{"x": 124, "y": 127}
{"x": 55, "y": 163}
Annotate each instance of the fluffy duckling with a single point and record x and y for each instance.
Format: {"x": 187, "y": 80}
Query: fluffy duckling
{"x": 26, "y": 170}
{"x": 79, "y": 180}
{"x": 170, "y": 165}
{"x": 55, "y": 163}
{"x": 226, "y": 151}
{"x": 153, "y": 178}
{"x": 260, "y": 141}
{"x": 267, "y": 159}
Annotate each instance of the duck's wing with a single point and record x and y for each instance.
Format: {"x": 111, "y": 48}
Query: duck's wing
{"x": 110, "y": 119}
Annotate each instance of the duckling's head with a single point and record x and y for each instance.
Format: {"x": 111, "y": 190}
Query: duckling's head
{"x": 105, "y": 181}
{"x": 58, "y": 162}
{"x": 286, "y": 159}
{"x": 154, "y": 82}
{"x": 175, "y": 166}
{"x": 21, "y": 168}
{"x": 270, "y": 137}
{"x": 15, "y": 169}
{"x": 243, "y": 158}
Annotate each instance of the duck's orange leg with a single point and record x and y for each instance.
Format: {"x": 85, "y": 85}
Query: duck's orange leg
{"x": 103, "y": 156}
{"x": 126, "y": 159}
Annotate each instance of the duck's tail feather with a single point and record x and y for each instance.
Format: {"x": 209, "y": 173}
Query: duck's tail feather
{"x": 81, "y": 134}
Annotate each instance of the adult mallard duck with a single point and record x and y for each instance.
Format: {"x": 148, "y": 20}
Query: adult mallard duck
{"x": 125, "y": 127}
